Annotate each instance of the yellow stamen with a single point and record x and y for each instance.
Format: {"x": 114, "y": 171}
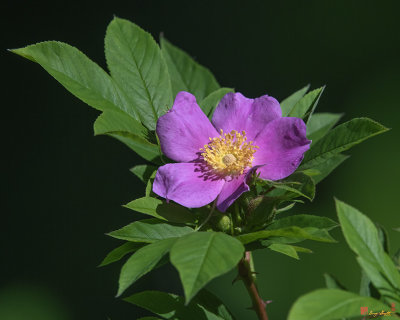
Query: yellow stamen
{"x": 229, "y": 154}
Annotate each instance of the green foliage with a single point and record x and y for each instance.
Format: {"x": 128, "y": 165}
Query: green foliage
{"x": 111, "y": 121}
{"x": 170, "y": 306}
{"x": 295, "y": 233}
{"x": 260, "y": 211}
{"x": 119, "y": 252}
{"x": 320, "y": 124}
{"x": 289, "y": 230}
{"x": 365, "y": 239}
{"x": 306, "y": 103}
{"x": 143, "y": 171}
{"x": 285, "y": 249}
{"x": 209, "y": 103}
{"x": 79, "y": 75}
{"x": 321, "y": 171}
{"x": 186, "y": 74}
{"x": 332, "y": 283}
{"x": 142, "y": 261}
{"x": 149, "y": 231}
{"x": 298, "y": 184}
{"x": 304, "y": 221}
{"x": 160, "y": 209}
{"x": 340, "y": 139}
{"x": 362, "y": 237}
{"x": 201, "y": 256}
{"x": 288, "y": 103}
{"x": 130, "y": 132}
{"x": 136, "y": 64}
{"x": 331, "y": 304}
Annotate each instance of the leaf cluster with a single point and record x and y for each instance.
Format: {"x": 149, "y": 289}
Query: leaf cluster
{"x": 380, "y": 276}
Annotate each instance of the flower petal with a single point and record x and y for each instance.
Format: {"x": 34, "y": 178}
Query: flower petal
{"x": 186, "y": 184}
{"x": 236, "y": 112}
{"x": 264, "y": 110}
{"x": 282, "y": 145}
{"x": 184, "y": 129}
{"x": 231, "y": 191}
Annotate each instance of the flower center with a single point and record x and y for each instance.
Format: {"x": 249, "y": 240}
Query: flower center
{"x": 229, "y": 154}
{"x": 228, "y": 159}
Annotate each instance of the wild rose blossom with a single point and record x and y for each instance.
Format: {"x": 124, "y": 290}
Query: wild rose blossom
{"x": 214, "y": 160}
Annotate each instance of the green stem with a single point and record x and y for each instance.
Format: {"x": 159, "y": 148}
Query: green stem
{"x": 208, "y": 217}
{"x": 246, "y": 271}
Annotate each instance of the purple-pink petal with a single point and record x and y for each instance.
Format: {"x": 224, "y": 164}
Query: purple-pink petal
{"x": 282, "y": 145}
{"x": 231, "y": 191}
{"x": 186, "y": 184}
{"x": 184, "y": 129}
{"x": 236, "y": 112}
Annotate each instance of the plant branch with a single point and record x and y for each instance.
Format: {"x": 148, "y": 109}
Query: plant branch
{"x": 246, "y": 274}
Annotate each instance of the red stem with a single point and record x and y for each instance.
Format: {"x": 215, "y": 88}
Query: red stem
{"x": 246, "y": 274}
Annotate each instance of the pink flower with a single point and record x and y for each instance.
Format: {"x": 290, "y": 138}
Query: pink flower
{"x": 215, "y": 159}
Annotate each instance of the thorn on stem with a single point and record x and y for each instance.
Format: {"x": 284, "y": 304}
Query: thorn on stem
{"x": 237, "y": 278}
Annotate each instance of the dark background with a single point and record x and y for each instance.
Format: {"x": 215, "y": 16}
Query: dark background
{"x": 63, "y": 187}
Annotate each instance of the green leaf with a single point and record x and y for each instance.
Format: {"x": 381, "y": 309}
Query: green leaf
{"x": 212, "y": 305}
{"x": 143, "y": 171}
{"x": 116, "y": 121}
{"x": 309, "y": 101}
{"x": 303, "y": 221}
{"x": 332, "y": 283}
{"x": 202, "y": 256}
{"x": 128, "y": 131}
{"x": 302, "y": 249}
{"x": 149, "y": 189}
{"x": 320, "y": 123}
{"x": 260, "y": 212}
{"x": 142, "y": 147}
{"x": 366, "y": 286}
{"x": 362, "y": 237}
{"x": 186, "y": 74}
{"x": 396, "y": 259}
{"x": 149, "y": 231}
{"x": 288, "y": 103}
{"x": 297, "y": 184}
{"x": 321, "y": 171}
{"x": 149, "y": 318}
{"x": 209, "y": 103}
{"x": 170, "y": 306}
{"x": 166, "y": 305}
{"x": 79, "y": 75}
{"x": 162, "y": 210}
{"x": 383, "y": 237}
{"x": 136, "y": 64}
{"x": 300, "y": 234}
{"x": 285, "y": 208}
{"x": 308, "y": 116}
{"x": 331, "y": 304}
{"x": 302, "y": 185}
{"x": 142, "y": 261}
{"x": 285, "y": 249}
{"x": 119, "y": 252}
{"x": 340, "y": 139}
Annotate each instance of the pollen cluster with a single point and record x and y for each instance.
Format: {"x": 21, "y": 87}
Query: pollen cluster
{"x": 229, "y": 154}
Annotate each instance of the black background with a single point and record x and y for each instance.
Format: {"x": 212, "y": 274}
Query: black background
{"x": 63, "y": 187}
